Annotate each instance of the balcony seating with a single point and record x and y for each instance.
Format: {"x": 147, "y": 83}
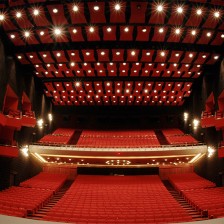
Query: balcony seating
{"x": 177, "y": 137}
{"x": 59, "y": 136}
{"x": 189, "y": 181}
{"x": 132, "y": 138}
{"x": 117, "y": 199}
{"x": 45, "y": 180}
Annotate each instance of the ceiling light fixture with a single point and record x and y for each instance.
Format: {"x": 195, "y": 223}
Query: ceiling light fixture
{"x": 193, "y": 32}
{"x": 57, "y": 31}
{"x": 96, "y": 7}
{"x": 159, "y": 8}
{"x": 109, "y": 29}
{"x": 117, "y": 7}
{"x": 180, "y": 9}
{"x": 161, "y": 30}
{"x": 91, "y": 29}
{"x": 36, "y": 12}
{"x": 55, "y": 10}
{"x": 18, "y": 14}
{"x": 2, "y": 17}
{"x": 199, "y": 12}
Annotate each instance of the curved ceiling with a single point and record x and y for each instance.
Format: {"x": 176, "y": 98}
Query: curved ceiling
{"x": 115, "y": 52}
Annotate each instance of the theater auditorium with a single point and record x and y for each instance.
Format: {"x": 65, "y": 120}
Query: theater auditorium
{"x": 111, "y": 111}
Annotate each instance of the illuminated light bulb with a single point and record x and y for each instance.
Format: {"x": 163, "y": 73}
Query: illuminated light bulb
{"x": 118, "y": 53}
{"x": 109, "y": 29}
{"x": 96, "y": 7}
{"x": 126, "y": 29}
{"x": 57, "y": 31}
{"x": 2, "y": 17}
{"x": 203, "y": 56}
{"x": 199, "y": 11}
{"x": 31, "y": 56}
{"x": 162, "y": 53}
{"x": 36, "y": 12}
{"x": 41, "y": 33}
{"x": 74, "y": 30}
{"x": 91, "y": 29}
{"x": 26, "y": 33}
{"x": 58, "y": 54}
{"x": 19, "y": 57}
{"x": 208, "y": 34}
{"x": 72, "y": 64}
{"x": 180, "y": 9}
{"x": 222, "y": 35}
{"x": 87, "y": 53}
{"x": 75, "y": 8}
{"x": 161, "y": 30}
{"x": 77, "y": 84}
{"x": 216, "y": 57}
{"x": 147, "y": 53}
{"x": 12, "y": 36}
{"x": 102, "y": 53}
{"x": 18, "y": 14}
{"x": 159, "y": 8}
{"x": 177, "y": 55}
{"x": 117, "y": 7}
{"x": 144, "y": 30}
{"x": 193, "y": 32}
{"x": 133, "y": 53}
{"x": 216, "y": 14}
{"x": 190, "y": 55}
{"x": 55, "y": 10}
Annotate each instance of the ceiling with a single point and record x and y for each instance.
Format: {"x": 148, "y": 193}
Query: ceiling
{"x": 115, "y": 52}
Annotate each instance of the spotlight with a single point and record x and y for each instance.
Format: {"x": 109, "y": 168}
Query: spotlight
{"x": 18, "y": 14}
{"x": 36, "y": 12}
{"x": 199, "y": 11}
{"x": 2, "y": 17}
{"x": 57, "y": 31}
{"x": 91, "y": 29}
{"x": 180, "y": 9}
{"x": 75, "y": 8}
{"x": 117, "y": 7}
{"x": 159, "y": 8}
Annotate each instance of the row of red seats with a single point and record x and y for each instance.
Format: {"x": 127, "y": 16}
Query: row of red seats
{"x": 55, "y": 139}
{"x": 210, "y": 200}
{"x": 117, "y": 199}
{"x": 24, "y": 200}
{"x": 117, "y": 142}
{"x": 45, "y": 180}
{"x": 188, "y": 181}
{"x": 64, "y": 131}
{"x": 172, "y": 131}
{"x": 181, "y": 139}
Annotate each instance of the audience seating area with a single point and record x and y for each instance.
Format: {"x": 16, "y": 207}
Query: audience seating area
{"x": 115, "y": 138}
{"x": 200, "y": 193}
{"x": 59, "y": 136}
{"x": 44, "y": 180}
{"x": 189, "y": 181}
{"x": 176, "y": 136}
{"x": 31, "y": 195}
{"x": 117, "y": 199}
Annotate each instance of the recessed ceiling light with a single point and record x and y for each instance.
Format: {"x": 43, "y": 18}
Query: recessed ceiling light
{"x": 19, "y": 57}
{"x": 162, "y": 53}
{"x": 216, "y": 57}
{"x": 193, "y": 32}
{"x": 102, "y": 53}
{"x": 147, "y": 53}
{"x": 75, "y": 8}
{"x": 18, "y": 14}
{"x": 57, "y": 31}
{"x": 126, "y": 29}
{"x": 208, "y": 34}
{"x": 36, "y": 12}
{"x": 109, "y": 29}
{"x": 87, "y": 53}
{"x": 77, "y": 84}
{"x": 58, "y": 54}
{"x": 55, "y": 10}
{"x": 144, "y": 30}
{"x": 31, "y": 56}
{"x": 177, "y": 31}
{"x": 203, "y": 56}
{"x": 118, "y": 53}
{"x": 26, "y": 33}
{"x": 190, "y": 55}
{"x": 222, "y": 35}
{"x": 12, "y": 36}
{"x": 41, "y": 33}
{"x": 217, "y": 14}
{"x": 2, "y": 17}
{"x": 117, "y": 7}
{"x": 91, "y": 29}
{"x": 74, "y": 30}
{"x": 159, "y": 8}
{"x": 96, "y": 7}
{"x": 179, "y": 9}
{"x": 72, "y": 64}
{"x": 161, "y": 30}
{"x": 133, "y": 53}
{"x": 199, "y": 11}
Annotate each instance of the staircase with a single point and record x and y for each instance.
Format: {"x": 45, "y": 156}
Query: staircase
{"x": 39, "y": 215}
{"x": 161, "y": 138}
{"x": 74, "y": 139}
{"x": 196, "y": 215}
